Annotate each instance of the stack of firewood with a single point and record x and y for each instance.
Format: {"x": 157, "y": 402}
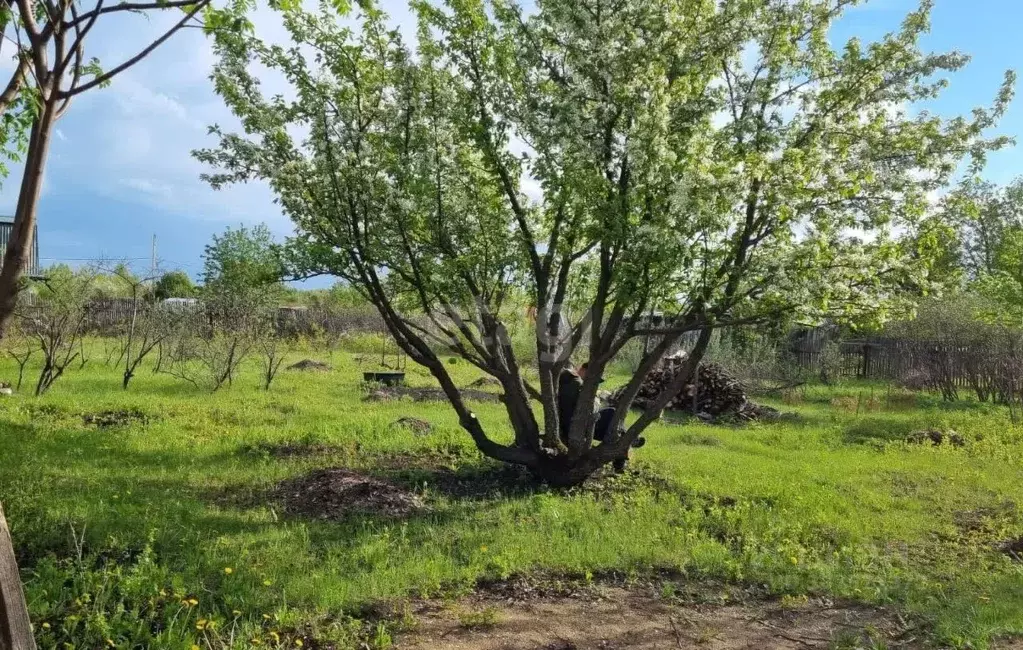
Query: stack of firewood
{"x": 713, "y": 394}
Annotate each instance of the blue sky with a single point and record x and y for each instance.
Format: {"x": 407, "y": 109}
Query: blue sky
{"x": 120, "y": 168}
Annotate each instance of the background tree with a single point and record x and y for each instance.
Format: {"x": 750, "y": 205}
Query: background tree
{"x": 674, "y": 174}
{"x": 51, "y": 69}
{"x": 174, "y": 284}
{"x": 241, "y": 262}
{"x": 240, "y": 295}
{"x": 988, "y": 221}
{"x": 983, "y": 212}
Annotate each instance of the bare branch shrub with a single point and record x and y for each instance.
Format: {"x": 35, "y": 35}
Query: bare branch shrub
{"x": 19, "y": 345}
{"x": 148, "y": 324}
{"x": 272, "y": 348}
{"x": 58, "y": 322}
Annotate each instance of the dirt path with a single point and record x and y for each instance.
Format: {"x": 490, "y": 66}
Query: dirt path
{"x": 612, "y": 617}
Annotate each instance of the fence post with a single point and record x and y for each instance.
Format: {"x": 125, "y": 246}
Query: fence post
{"x": 15, "y": 628}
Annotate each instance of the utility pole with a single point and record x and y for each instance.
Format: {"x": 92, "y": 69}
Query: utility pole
{"x": 152, "y": 268}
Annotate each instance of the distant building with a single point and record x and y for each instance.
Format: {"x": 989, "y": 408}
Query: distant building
{"x": 32, "y": 264}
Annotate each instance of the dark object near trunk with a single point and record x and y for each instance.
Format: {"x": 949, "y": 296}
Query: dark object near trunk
{"x": 713, "y": 395}
{"x": 385, "y": 378}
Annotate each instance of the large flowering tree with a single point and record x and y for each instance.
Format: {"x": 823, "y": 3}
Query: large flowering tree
{"x": 715, "y": 160}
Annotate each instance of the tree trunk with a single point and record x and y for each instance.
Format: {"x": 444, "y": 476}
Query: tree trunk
{"x": 20, "y": 242}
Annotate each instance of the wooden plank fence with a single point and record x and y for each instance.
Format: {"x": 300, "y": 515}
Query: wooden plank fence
{"x": 890, "y": 359}
{"x": 15, "y": 628}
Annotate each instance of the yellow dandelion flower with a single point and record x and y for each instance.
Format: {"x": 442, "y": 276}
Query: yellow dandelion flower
{"x": 256, "y": 641}
{"x": 195, "y": 647}
{"x": 267, "y": 582}
{"x": 228, "y": 570}
{"x": 236, "y": 613}
{"x": 483, "y": 548}
{"x": 163, "y": 592}
{"x": 193, "y": 601}
{"x": 276, "y": 637}
{"x": 46, "y": 626}
{"x": 110, "y": 642}
{"x": 794, "y": 560}
{"x": 298, "y": 642}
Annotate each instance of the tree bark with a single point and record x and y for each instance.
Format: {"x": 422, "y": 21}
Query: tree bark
{"x": 20, "y": 242}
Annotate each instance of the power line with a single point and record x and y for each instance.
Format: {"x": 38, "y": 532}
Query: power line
{"x": 92, "y": 259}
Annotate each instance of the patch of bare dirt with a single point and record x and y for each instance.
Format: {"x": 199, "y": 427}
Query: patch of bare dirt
{"x": 122, "y": 418}
{"x": 391, "y": 393}
{"x": 614, "y": 617}
{"x": 336, "y": 493}
{"x": 309, "y": 364}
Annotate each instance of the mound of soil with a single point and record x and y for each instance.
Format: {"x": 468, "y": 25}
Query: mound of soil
{"x": 309, "y": 364}
{"x": 484, "y": 382}
{"x": 123, "y": 418}
{"x": 415, "y": 425}
{"x": 936, "y": 437}
{"x": 336, "y": 493}
{"x": 390, "y": 393}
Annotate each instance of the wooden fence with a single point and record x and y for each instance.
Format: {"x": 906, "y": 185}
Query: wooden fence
{"x": 890, "y": 359}
{"x": 15, "y": 628}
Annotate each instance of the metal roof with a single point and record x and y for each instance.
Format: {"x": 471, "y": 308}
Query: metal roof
{"x": 32, "y": 263}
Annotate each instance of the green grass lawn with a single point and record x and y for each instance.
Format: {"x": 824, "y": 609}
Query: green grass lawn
{"x": 160, "y": 533}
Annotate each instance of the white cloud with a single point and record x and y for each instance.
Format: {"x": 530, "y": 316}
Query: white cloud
{"x": 133, "y": 140}
{"x": 149, "y": 186}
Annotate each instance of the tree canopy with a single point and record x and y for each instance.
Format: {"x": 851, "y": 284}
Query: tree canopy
{"x": 985, "y": 243}
{"x": 719, "y": 162}
{"x": 174, "y": 284}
